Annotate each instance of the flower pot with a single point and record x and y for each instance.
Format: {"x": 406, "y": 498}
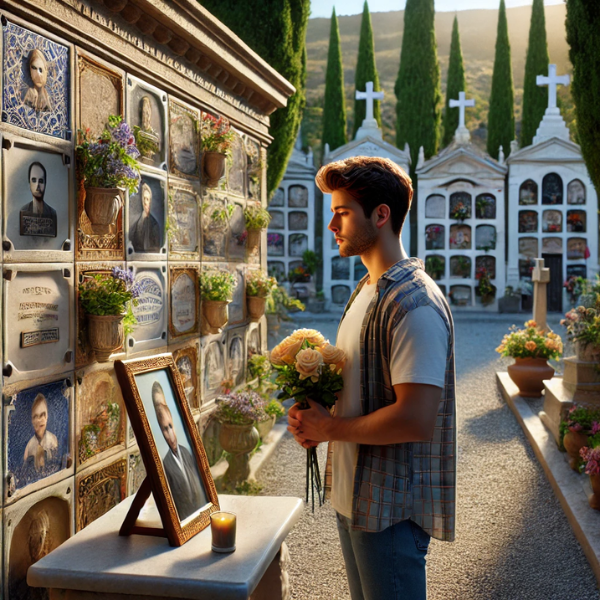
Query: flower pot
{"x": 214, "y": 168}
{"x": 573, "y": 442}
{"x": 256, "y": 307}
{"x": 529, "y": 375}
{"x": 253, "y": 240}
{"x": 587, "y": 352}
{"x": 105, "y": 335}
{"x": 215, "y": 313}
{"x": 238, "y": 441}
{"x": 264, "y": 427}
{"x": 595, "y": 497}
{"x": 102, "y": 206}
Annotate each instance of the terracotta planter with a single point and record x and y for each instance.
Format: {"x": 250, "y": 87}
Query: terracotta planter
{"x": 264, "y": 427}
{"x": 587, "y": 352}
{"x": 105, "y": 335}
{"x": 573, "y": 442}
{"x": 238, "y": 441}
{"x": 256, "y": 307}
{"x": 214, "y": 168}
{"x": 102, "y": 206}
{"x": 529, "y": 375}
{"x": 595, "y": 497}
{"x": 215, "y": 313}
{"x": 253, "y": 240}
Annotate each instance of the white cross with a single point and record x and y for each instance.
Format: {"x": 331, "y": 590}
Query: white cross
{"x": 369, "y": 96}
{"x": 552, "y": 81}
{"x": 462, "y": 103}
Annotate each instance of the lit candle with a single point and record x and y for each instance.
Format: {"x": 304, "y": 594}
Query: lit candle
{"x": 222, "y": 525}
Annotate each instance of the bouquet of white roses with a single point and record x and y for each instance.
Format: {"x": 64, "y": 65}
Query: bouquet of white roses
{"x": 308, "y": 366}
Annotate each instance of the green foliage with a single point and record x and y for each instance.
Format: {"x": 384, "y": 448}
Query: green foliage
{"x": 334, "y": 106}
{"x": 434, "y": 266}
{"x": 535, "y": 98}
{"x": 217, "y": 211}
{"x": 583, "y": 36}
{"x": 311, "y": 261}
{"x": 258, "y": 283}
{"x": 217, "y": 285}
{"x": 456, "y": 83}
{"x": 280, "y": 302}
{"x": 259, "y": 366}
{"x": 145, "y": 144}
{"x": 216, "y": 134}
{"x": 366, "y": 70}
{"x": 418, "y": 84}
{"x": 501, "y": 118}
{"x": 256, "y": 217}
{"x": 275, "y": 408}
{"x": 249, "y": 487}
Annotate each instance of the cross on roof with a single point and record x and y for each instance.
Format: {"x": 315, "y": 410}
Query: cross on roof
{"x": 369, "y": 96}
{"x": 552, "y": 81}
{"x": 462, "y": 103}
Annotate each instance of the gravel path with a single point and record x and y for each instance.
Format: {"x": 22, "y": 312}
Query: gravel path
{"x": 513, "y": 540}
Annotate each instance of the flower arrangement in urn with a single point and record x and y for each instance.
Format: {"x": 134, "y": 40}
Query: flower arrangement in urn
{"x": 107, "y": 165}
{"x": 256, "y": 219}
{"x": 216, "y": 292}
{"x": 107, "y": 300}
{"x": 485, "y": 289}
{"x": 580, "y": 428}
{"x": 216, "y": 138}
{"x": 259, "y": 287}
{"x": 531, "y": 347}
{"x": 583, "y": 329}
{"x": 591, "y": 466}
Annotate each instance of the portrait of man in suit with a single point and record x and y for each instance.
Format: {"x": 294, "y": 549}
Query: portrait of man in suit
{"x": 180, "y": 465}
{"x": 145, "y": 235}
{"x": 37, "y": 218}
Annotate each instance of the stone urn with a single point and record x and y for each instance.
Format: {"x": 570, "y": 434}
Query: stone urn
{"x": 264, "y": 427}
{"x": 253, "y": 240}
{"x": 573, "y": 442}
{"x": 215, "y": 313}
{"x": 238, "y": 441}
{"x": 256, "y": 307}
{"x": 587, "y": 352}
{"x": 105, "y": 335}
{"x": 529, "y": 375}
{"x": 595, "y": 497}
{"x": 214, "y": 168}
{"x": 102, "y": 206}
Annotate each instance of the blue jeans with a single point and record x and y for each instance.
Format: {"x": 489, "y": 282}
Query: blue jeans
{"x": 387, "y": 565}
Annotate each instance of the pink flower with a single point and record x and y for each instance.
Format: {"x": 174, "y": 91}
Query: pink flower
{"x": 575, "y": 428}
{"x": 595, "y": 427}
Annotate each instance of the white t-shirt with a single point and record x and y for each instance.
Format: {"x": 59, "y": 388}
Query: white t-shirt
{"x": 419, "y": 349}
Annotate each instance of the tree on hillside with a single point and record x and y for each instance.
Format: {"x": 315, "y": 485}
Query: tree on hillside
{"x": 276, "y": 30}
{"x": 501, "y": 118}
{"x": 418, "y": 84}
{"x": 366, "y": 70}
{"x": 334, "y": 106}
{"x": 583, "y": 36}
{"x": 456, "y": 83}
{"x": 535, "y": 98}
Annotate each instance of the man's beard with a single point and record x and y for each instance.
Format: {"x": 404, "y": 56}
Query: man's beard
{"x": 364, "y": 240}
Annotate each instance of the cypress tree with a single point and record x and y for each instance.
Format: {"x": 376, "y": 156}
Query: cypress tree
{"x": 366, "y": 70}
{"x": 583, "y": 36}
{"x": 535, "y": 98}
{"x": 418, "y": 84}
{"x": 276, "y": 31}
{"x": 456, "y": 83}
{"x": 501, "y": 118}
{"x": 334, "y": 106}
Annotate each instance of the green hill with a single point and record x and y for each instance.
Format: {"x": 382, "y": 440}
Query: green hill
{"x": 478, "y": 38}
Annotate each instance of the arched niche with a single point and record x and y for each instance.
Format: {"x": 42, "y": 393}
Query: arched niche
{"x": 297, "y": 196}
{"x": 297, "y": 220}
{"x": 461, "y": 295}
{"x": 460, "y": 237}
{"x": 488, "y": 263}
{"x": 435, "y": 237}
{"x": 552, "y": 189}
{"x": 459, "y": 198}
{"x": 577, "y": 221}
{"x": 277, "y": 220}
{"x": 340, "y": 294}
{"x": 298, "y": 244}
{"x": 576, "y": 192}
{"x": 275, "y": 244}
{"x": 528, "y": 247}
{"x": 576, "y": 248}
{"x": 485, "y": 237}
{"x": 552, "y": 221}
{"x": 435, "y": 207}
{"x": 528, "y": 193}
{"x": 276, "y": 269}
{"x": 278, "y": 198}
{"x": 460, "y": 266}
{"x": 485, "y": 206}
{"x": 435, "y": 266}
{"x": 528, "y": 221}
{"x": 359, "y": 269}
{"x": 552, "y": 245}
{"x": 340, "y": 268}
{"x": 214, "y": 367}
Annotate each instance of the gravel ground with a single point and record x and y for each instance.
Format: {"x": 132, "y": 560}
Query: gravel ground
{"x": 513, "y": 540}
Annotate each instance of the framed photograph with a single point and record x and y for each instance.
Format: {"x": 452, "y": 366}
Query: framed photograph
{"x": 171, "y": 448}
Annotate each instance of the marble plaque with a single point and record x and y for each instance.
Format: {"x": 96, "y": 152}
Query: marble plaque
{"x": 435, "y": 207}
{"x": 136, "y": 474}
{"x": 213, "y": 369}
{"x": 297, "y": 220}
{"x": 340, "y": 294}
{"x": 528, "y": 193}
{"x": 237, "y": 307}
{"x": 460, "y": 295}
{"x": 146, "y": 220}
{"x": 275, "y": 244}
{"x": 237, "y": 167}
{"x": 576, "y": 248}
{"x": 528, "y": 221}
{"x": 461, "y": 198}
{"x": 100, "y": 491}
{"x": 297, "y": 196}
{"x": 276, "y": 269}
{"x": 38, "y": 441}
{"x": 552, "y": 245}
{"x": 237, "y": 234}
{"x": 184, "y": 140}
{"x": 215, "y": 225}
{"x": 435, "y": 237}
{"x": 37, "y": 215}
{"x": 39, "y": 306}
{"x": 298, "y": 244}
{"x": 359, "y": 269}
{"x": 277, "y": 220}
{"x": 485, "y": 206}
{"x": 460, "y": 266}
{"x": 576, "y": 192}
{"x": 528, "y": 247}
{"x": 255, "y": 165}
{"x": 253, "y": 340}
{"x": 577, "y": 270}
{"x": 340, "y": 267}
{"x": 147, "y": 109}
{"x": 278, "y": 198}
{"x": 460, "y": 237}
{"x": 485, "y": 237}
{"x": 184, "y": 223}
{"x": 236, "y": 356}
{"x": 186, "y": 360}
{"x": 488, "y": 263}
{"x": 184, "y": 301}
{"x": 576, "y": 221}
{"x": 552, "y": 189}
{"x": 37, "y": 86}
{"x": 552, "y": 221}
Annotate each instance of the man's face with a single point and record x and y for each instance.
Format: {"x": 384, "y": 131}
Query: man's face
{"x": 37, "y": 70}
{"x": 166, "y": 426}
{"x": 37, "y": 182}
{"x": 354, "y": 233}
{"x": 146, "y": 201}
{"x": 39, "y": 419}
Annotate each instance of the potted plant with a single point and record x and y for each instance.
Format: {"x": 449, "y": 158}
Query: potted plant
{"x": 575, "y": 431}
{"x": 531, "y": 348}
{"x": 258, "y": 288}
{"x": 108, "y": 166}
{"x": 435, "y": 266}
{"x": 575, "y": 286}
{"x": 216, "y": 140}
{"x": 591, "y": 466}
{"x": 107, "y": 299}
{"x": 485, "y": 289}
{"x": 216, "y": 292}
{"x": 583, "y": 329}
{"x": 511, "y": 301}
{"x": 278, "y": 305}
{"x": 256, "y": 218}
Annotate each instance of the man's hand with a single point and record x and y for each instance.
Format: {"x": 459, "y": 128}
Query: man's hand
{"x": 309, "y": 426}
{"x": 294, "y": 428}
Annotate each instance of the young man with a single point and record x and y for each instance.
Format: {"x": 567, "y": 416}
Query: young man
{"x": 393, "y": 455}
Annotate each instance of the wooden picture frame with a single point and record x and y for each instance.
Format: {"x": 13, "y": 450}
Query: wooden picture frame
{"x": 146, "y": 404}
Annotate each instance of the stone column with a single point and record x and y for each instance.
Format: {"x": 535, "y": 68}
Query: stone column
{"x": 540, "y": 278}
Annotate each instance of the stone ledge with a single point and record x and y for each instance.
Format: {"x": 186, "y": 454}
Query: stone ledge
{"x": 571, "y": 489}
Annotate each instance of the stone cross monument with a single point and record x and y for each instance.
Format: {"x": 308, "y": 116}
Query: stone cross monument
{"x": 462, "y": 135}
{"x": 369, "y": 126}
{"x": 552, "y": 81}
{"x": 552, "y": 125}
{"x": 540, "y": 277}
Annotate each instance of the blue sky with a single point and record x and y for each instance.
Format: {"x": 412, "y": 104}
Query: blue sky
{"x": 323, "y": 8}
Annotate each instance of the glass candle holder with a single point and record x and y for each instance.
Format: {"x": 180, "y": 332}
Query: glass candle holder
{"x": 222, "y": 526}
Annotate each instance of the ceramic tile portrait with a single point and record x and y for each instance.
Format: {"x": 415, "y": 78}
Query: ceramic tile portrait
{"x": 147, "y": 220}
{"x": 236, "y": 357}
{"x": 38, "y": 426}
{"x": 213, "y": 369}
{"x": 184, "y": 301}
{"x": 36, "y": 94}
{"x": 36, "y": 200}
{"x": 184, "y": 140}
{"x": 237, "y": 234}
{"x": 184, "y": 224}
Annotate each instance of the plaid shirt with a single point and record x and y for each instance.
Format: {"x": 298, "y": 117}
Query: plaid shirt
{"x": 413, "y": 480}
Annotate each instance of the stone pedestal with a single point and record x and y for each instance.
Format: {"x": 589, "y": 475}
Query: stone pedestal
{"x": 580, "y": 384}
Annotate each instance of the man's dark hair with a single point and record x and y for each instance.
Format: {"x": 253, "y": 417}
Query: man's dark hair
{"x": 36, "y": 164}
{"x": 371, "y": 181}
